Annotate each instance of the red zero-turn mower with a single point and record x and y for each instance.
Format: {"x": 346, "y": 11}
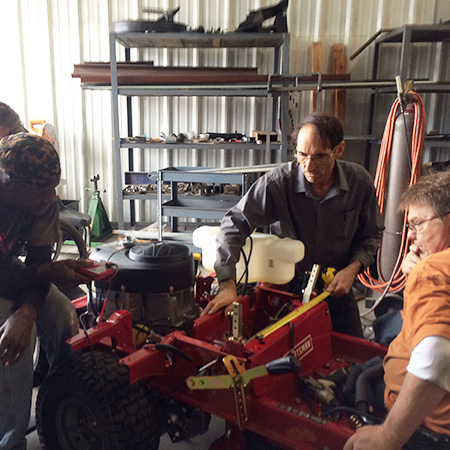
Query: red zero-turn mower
{"x": 273, "y": 370}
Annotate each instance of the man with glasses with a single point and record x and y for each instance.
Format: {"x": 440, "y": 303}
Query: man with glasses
{"x": 417, "y": 365}
{"x": 415, "y": 254}
{"x": 328, "y": 204}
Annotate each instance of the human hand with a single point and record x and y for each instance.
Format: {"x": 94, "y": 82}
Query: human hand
{"x": 344, "y": 279}
{"x": 370, "y": 437}
{"x": 411, "y": 259}
{"x": 15, "y": 334}
{"x": 224, "y": 298}
{"x": 65, "y": 272}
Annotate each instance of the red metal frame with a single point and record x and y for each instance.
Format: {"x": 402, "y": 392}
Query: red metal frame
{"x": 292, "y": 423}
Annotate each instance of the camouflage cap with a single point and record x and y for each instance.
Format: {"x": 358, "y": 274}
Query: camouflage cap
{"x": 29, "y": 160}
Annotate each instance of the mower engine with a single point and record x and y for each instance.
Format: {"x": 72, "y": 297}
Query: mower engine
{"x": 155, "y": 282}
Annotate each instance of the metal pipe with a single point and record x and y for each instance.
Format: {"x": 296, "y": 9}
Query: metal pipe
{"x": 399, "y": 175}
{"x": 419, "y": 85}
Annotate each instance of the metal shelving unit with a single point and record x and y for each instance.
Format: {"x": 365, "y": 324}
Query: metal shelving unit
{"x": 405, "y": 37}
{"x": 211, "y": 207}
{"x": 279, "y": 42}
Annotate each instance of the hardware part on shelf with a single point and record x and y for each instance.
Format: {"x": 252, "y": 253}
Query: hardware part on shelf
{"x": 255, "y": 19}
{"x": 262, "y": 136}
{"x": 140, "y": 189}
{"x": 205, "y": 189}
{"x": 201, "y": 138}
{"x": 164, "y": 23}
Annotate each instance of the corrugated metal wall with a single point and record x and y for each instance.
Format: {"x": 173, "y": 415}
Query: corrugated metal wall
{"x": 41, "y": 41}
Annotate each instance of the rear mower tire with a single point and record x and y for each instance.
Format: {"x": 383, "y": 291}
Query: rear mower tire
{"x": 90, "y": 404}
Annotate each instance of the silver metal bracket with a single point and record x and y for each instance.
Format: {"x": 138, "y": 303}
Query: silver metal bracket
{"x": 236, "y": 322}
{"x": 314, "y": 274}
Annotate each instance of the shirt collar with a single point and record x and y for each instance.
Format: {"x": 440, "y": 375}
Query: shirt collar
{"x": 342, "y": 179}
{"x": 301, "y": 187}
{"x": 300, "y": 180}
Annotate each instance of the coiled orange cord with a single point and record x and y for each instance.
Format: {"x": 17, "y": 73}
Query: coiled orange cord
{"x": 397, "y": 281}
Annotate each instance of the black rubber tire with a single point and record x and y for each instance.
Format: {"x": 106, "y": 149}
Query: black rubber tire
{"x": 70, "y": 233}
{"x": 40, "y": 364}
{"x": 89, "y": 404}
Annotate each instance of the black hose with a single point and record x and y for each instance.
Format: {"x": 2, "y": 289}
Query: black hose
{"x": 291, "y": 335}
{"x": 246, "y": 264}
{"x": 363, "y": 386}
{"x": 353, "y": 374}
{"x": 173, "y": 349}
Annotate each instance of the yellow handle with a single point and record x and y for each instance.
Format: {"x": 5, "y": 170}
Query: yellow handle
{"x": 38, "y": 130}
{"x": 328, "y": 275}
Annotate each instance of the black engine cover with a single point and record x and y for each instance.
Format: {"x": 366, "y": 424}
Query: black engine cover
{"x": 156, "y": 267}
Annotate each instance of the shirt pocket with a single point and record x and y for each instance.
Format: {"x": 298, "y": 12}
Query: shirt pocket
{"x": 344, "y": 225}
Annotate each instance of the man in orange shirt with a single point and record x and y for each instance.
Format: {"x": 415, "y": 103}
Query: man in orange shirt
{"x": 417, "y": 365}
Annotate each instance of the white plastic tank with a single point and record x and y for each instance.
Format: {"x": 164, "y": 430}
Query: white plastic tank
{"x": 272, "y": 258}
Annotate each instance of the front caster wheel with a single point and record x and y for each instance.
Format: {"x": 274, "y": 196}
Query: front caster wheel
{"x": 90, "y": 404}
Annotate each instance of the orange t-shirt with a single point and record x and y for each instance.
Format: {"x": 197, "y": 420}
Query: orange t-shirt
{"x": 426, "y": 312}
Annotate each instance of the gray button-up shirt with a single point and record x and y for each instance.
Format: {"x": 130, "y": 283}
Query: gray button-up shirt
{"x": 337, "y": 229}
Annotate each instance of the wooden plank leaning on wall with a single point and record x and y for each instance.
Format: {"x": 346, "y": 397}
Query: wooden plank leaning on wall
{"x": 339, "y": 66}
{"x": 316, "y": 54}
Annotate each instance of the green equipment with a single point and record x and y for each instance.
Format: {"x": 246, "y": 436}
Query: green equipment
{"x": 100, "y": 224}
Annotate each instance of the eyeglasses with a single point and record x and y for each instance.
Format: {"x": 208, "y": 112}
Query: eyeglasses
{"x": 318, "y": 158}
{"x": 417, "y": 226}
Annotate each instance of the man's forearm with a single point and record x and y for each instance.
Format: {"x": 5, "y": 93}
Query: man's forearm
{"x": 228, "y": 284}
{"x": 416, "y": 400}
{"x": 355, "y": 267}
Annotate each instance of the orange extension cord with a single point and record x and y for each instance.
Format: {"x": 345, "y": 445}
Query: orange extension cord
{"x": 397, "y": 281}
